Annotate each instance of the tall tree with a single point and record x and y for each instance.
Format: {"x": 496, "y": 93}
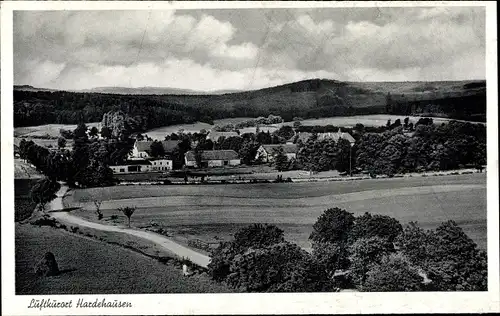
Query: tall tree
{"x": 280, "y": 159}
{"x": 156, "y": 149}
{"x": 44, "y": 191}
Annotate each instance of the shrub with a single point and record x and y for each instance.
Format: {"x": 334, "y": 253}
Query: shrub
{"x": 45, "y": 220}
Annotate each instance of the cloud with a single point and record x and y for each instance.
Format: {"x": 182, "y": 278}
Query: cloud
{"x": 238, "y": 49}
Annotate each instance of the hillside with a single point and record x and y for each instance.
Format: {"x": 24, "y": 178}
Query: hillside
{"x": 314, "y": 98}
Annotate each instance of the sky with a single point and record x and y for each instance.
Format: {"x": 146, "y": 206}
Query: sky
{"x": 225, "y": 49}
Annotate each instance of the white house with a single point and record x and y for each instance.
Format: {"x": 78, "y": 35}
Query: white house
{"x": 213, "y": 158}
{"x": 142, "y": 149}
{"x": 161, "y": 164}
{"x": 266, "y": 153}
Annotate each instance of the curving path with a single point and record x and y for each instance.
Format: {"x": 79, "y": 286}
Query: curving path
{"x": 57, "y": 211}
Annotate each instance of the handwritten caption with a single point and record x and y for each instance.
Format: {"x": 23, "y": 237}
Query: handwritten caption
{"x": 80, "y": 303}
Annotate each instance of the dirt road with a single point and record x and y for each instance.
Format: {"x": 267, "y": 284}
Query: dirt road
{"x": 56, "y": 207}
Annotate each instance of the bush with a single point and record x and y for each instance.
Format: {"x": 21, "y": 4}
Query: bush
{"x": 45, "y": 220}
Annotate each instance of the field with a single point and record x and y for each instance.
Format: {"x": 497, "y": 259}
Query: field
{"x": 50, "y": 130}
{"x": 343, "y": 121}
{"x": 215, "y": 212}
{"x": 91, "y": 267}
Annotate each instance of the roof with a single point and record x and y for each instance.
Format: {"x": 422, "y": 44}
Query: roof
{"x": 214, "y": 155}
{"x": 336, "y": 136}
{"x": 168, "y": 145}
{"x": 288, "y": 148}
{"x": 135, "y": 162}
{"x": 303, "y": 136}
{"x": 214, "y": 135}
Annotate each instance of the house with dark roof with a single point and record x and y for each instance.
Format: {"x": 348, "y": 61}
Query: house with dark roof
{"x": 142, "y": 149}
{"x": 132, "y": 166}
{"x": 213, "y": 158}
{"x": 302, "y": 136}
{"x": 266, "y": 153}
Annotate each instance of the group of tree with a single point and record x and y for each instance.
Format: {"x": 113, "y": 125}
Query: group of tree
{"x": 430, "y": 147}
{"x": 86, "y": 165}
{"x": 326, "y": 154}
{"x": 256, "y": 122}
{"x": 367, "y": 252}
{"x": 260, "y": 260}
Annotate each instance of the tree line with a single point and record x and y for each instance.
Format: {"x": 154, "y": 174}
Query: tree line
{"x": 367, "y": 252}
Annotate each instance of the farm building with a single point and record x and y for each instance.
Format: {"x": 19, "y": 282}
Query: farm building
{"x": 303, "y": 137}
{"x": 266, "y": 153}
{"x": 143, "y": 165}
{"x": 137, "y": 165}
{"x": 213, "y": 158}
{"x": 337, "y": 136}
{"x": 142, "y": 149}
{"x": 214, "y": 135}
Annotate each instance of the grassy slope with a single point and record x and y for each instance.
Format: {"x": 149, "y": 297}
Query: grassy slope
{"x": 219, "y": 210}
{"x": 93, "y": 267}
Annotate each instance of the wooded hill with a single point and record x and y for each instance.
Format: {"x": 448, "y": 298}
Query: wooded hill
{"x": 314, "y": 98}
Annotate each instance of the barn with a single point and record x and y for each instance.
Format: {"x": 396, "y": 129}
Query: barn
{"x": 213, "y": 158}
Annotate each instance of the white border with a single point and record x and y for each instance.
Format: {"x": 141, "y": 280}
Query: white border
{"x": 250, "y": 303}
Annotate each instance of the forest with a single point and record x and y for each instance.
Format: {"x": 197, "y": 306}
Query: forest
{"x": 307, "y": 99}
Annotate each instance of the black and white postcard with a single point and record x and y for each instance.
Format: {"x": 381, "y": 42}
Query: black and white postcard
{"x": 249, "y": 158}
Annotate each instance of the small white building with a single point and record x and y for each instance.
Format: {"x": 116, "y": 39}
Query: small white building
{"x": 142, "y": 149}
{"x": 161, "y": 164}
{"x": 266, "y": 153}
{"x": 213, "y": 158}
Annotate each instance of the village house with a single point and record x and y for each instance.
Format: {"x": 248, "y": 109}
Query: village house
{"x": 142, "y": 149}
{"x": 143, "y": 165}
{"x": 132, "y": 166}
{"x": 214, "y": 135}
{"x": 213, "y": 158}
{"x": 304, "y": 137}
{"x": 161, "y": 164}
{"x": 337, "y": 136}
{"x": 266, "y": 153}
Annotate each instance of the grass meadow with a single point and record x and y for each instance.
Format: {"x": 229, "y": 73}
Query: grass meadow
{"x": 343, "y": 121}
{"x": 91, "y": 266}
{"x": 214, "y": 212}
